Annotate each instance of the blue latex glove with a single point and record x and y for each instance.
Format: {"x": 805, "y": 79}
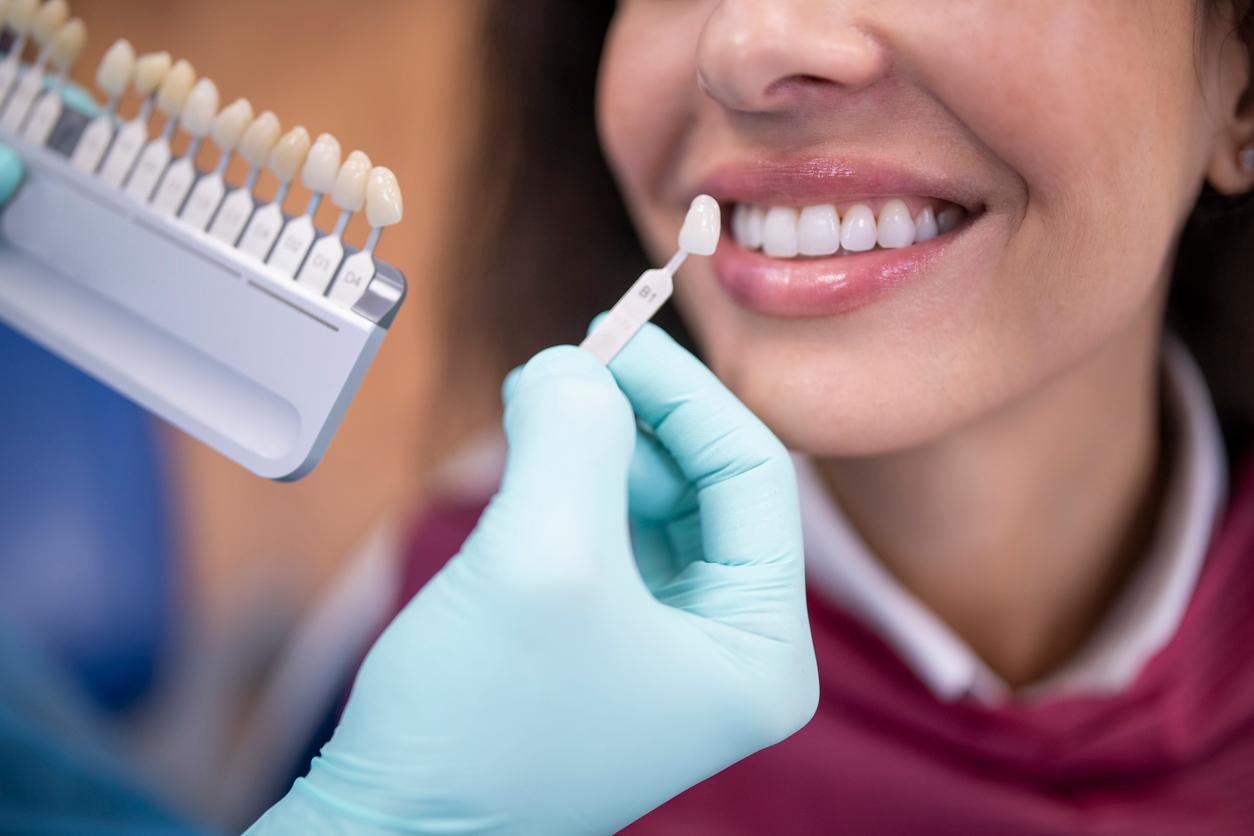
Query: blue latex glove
{"x": 552, "y": 679}
{"x": 10, "y": 173}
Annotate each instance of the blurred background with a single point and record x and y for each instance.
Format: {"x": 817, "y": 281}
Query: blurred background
{"x": 209, "y": 618}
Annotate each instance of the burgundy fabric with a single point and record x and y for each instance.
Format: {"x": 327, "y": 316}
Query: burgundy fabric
{"x": 1173, "y": 754}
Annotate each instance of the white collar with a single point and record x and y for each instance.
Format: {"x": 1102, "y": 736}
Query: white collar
{"x": 1137, "y": 625}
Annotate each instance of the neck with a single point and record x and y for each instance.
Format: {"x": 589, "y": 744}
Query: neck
{"x": 1018, "y": 529}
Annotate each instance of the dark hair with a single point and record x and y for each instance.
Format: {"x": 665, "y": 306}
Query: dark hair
{"x": 555, "y": 213}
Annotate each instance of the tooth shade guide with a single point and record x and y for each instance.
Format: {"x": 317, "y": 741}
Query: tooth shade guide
{"x": 653, "y": 288}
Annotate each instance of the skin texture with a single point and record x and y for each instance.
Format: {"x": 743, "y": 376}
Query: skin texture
{"x": 990, "y": 425}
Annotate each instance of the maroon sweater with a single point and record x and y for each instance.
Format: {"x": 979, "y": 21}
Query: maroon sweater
{"x": 1172, "y": 754}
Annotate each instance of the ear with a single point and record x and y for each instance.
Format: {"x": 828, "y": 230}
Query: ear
{"x": 1231, "y": 166}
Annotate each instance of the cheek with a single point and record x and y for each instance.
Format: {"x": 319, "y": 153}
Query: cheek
{"x": 1094, "y": 107}
{"x": 646, "y": 96}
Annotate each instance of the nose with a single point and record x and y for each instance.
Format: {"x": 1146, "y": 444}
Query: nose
{"x": 767, "y": 55}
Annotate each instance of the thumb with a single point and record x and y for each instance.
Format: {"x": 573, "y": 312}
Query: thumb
{"x": 571, "y": 434}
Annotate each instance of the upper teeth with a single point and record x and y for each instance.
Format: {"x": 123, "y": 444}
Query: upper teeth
{"x": 784, "y": 232}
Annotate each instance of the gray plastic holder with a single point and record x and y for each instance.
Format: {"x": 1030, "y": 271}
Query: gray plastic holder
{"x": 216, "y": 343}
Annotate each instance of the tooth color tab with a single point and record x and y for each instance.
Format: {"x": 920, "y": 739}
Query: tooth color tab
{"x": 702, "y": 227}
{"x": 22, "y": 13}
{"x": 818, "y": 231}
{"x": 116, "y": 68}
{"x": 258, "y": 141}
{"x": 67, "y": 44}
{"x": 289, "y": 154}
{"x": 229, "y": 125}
{"x": 323, "y": 165}
{"x": 925, "y": 228}
{"x": 175, "y": 88}
{"x": 896, "y": 227}
{"x": 50, "y": 17}
{"x": 858, "y": 231}
{"x": 350, "y": 186}
{"x": 200, "y": 108}
{"x": 779, "y": 233}
{"x": 150, "y": 70}
{"x": 384, "y": 206}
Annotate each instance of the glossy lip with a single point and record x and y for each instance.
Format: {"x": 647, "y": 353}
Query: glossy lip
{"x": 820, "y": 287}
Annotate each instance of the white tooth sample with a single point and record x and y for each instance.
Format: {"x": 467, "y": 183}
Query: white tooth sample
{"x": 896, "y": 227}
{"x": 322, "y": 165}
{"x": 175, "y": 88}
{"x": 4, "y": 13}
{"x": 858, "y": 229}
{"x": 196, "y": 120}
{"x": 779, "y": 233}
{"x": 925, "y": 228}
{"x": 384, "y": 208}
{"x": 229, "y": 126}
{"x": 255, "y": 147}
{"x": 384, "y": 205}
{"x": 117, "y": 68}
{"x": 200, "y": 109}
{"x": 66, "y": 46}
{"x": 948, "y": 218}
{"x": 267, "y": 222}
{"x": 150, "y": 70}
{"x": 818, "y": 230}
{"x": 349, "y": 194}
{"x": 50, "y": 17}
{"x": 321, "y": 168}
{"x": 172, "y": 95}
{"x": 703, "y": 226}
{"x": 227, "y": 129}
{"x": 289, "y": 154}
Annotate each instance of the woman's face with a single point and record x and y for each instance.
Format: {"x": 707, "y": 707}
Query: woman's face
{"x": 1053, "y": 148}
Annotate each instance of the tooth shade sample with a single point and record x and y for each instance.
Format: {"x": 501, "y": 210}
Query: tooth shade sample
{"x": 779, "y": 233}
{"x": 260, "y": 138}
{"x": 818, "y": 231}
{"x": 925, "y": 228}
{"x": 67, "y": 44}
{"x": 858, "y": 230}
{"x": 323, "y": 165}
{"x": 4, "y": 12}
{"x": 50, "y": 17}
{"x": 289, "y": 154}
{"x": 22, "y": 14}
{"x": 175, "y": 88}
{"x": 703, "y": 225}
{"x": 349, "y": 192}
{"x": 200, "y": 108}
{"x": 229, "y": 125}
{"x": 116, "y": 69}
{"x": 948, "y": 218}
{"x": 896, "y": 227}
{"x": 384, "y": 206}
{"x": 150, "y": 71}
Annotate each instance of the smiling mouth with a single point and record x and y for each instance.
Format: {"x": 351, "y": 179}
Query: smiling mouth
{"x": 825, "y": 229}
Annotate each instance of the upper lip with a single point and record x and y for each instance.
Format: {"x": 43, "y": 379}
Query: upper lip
{"x": 811, "y": 180}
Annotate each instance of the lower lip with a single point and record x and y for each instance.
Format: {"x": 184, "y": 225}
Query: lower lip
{"x": 818, "y": 287}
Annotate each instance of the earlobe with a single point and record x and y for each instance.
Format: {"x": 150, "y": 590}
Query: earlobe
{"x": 1231, "y": 170}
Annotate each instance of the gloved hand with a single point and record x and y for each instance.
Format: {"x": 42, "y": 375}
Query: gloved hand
{"x": 545, "y": 682}
{"x": 10, "y": 173}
